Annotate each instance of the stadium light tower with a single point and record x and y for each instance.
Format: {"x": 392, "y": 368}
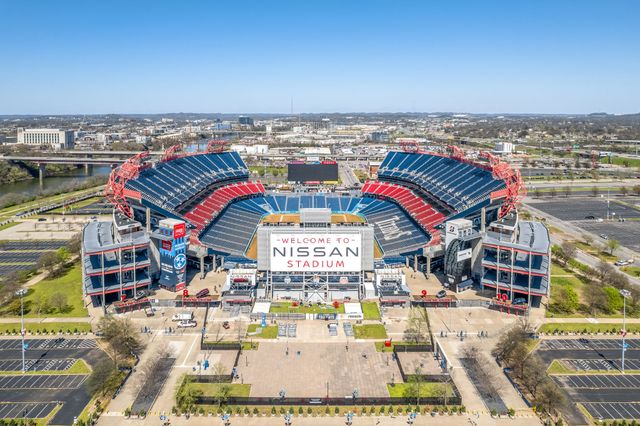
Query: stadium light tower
{"x": 625, "y": 294}
{"x": 21, "y": 292}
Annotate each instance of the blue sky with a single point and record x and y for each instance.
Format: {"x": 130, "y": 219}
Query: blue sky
{"x": 520, "y": 56}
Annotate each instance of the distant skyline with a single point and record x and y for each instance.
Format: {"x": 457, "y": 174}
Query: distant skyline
{"x": 554, "y": 57}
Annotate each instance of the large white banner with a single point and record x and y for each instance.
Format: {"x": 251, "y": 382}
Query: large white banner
{"x": 294, "y": 252}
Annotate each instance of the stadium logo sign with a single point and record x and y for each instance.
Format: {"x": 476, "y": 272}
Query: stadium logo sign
{"x": 316, "y": 252}
{"x": 180, "y": 261}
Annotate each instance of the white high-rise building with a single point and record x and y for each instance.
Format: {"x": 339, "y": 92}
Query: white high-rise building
{"x": 53, "y": 138}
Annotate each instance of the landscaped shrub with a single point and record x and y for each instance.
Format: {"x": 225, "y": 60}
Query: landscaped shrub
{"x": 337, "y": 410}
{"x": 300, "y": 411}
{"x": 273, "y": 410}
{"x": 309, "y": 410}
{"x": 255, "y": 411}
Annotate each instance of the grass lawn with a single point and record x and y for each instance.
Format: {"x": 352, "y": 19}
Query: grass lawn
{"x": 621, "y": 161}
{"x": 246, "y": 346}
{"x": 8, "y": 225}
{"x": 78, "y": 367}
{"x": 427, "y": 389}
{"x": 211, "y": 389}
{"x": 12, "y": 210}
{"x": 380, "y": 347}
{"x": 78, "y": 205}
{"x": 632, "y": 270}
{"x": 570, "y": 327}
{"x": 559, "y": 270}
{"x": 370, "y": 310}
{"x": 69, "y": 284}
{"x": 370, "y": 331}
{"x": 288, "y": 308}
{"x": 269, "y": 332}
{"x": 46, "y": 326}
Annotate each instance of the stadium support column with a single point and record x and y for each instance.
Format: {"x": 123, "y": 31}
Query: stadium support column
{"x": 483, "y": 219}
{"x": 415, "y": 262}
{"x": 201, "y": 266}
{"x": 148, "y": 219}
{"x": 427, "y": 270}
{"x": 41, "y": 171}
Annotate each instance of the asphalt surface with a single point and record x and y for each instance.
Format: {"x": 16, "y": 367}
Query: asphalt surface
{"x": 24, "y": 255}
{"x": 46, "y": 389}
{"x": 608, "y": 390}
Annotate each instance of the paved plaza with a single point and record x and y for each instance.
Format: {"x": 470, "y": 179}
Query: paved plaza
{"x": 308, "y": 367}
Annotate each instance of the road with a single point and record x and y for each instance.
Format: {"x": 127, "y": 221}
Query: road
{"x": 348, "y": 177}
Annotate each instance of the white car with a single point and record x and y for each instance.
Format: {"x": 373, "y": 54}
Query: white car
{"x": 186, "y": 324}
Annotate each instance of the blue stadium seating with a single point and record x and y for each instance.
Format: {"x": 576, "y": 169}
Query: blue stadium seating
{"x": 171, "y": 183}
{"x": 233, "y": 230}
{"x": 458, "y": 184}
{"x": 395, "y": 232}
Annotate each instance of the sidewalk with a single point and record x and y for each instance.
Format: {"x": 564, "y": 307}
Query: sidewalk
{"x": 453, "y": 420}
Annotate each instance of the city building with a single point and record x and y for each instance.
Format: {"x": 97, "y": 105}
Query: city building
{"x": 51, "y": 138}
{"x": 516, "y": 259}
{"x": 116, "y": 259}
{"x": 245, "y": 121}
{"x": 380, "y": 137}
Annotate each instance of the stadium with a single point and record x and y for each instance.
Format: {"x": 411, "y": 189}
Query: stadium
{"x": 235, "y": 224}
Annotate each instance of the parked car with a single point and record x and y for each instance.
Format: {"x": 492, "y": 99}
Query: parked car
{"x": 441, "y": 294}
{"x": 621, "y": 262}
{"x": 519, "y": 301}
{"x": 202, "y": 293}
{"x": 604, "y": 236}
{"x": 183, "y": 316}
{"x": 186, "y": 324}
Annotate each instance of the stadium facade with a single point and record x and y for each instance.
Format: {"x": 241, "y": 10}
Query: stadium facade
{"x": 399, "y": 219}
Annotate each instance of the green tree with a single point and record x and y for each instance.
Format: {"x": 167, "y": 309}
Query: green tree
{"x": 41, "y": 304}
{"x": 613, "y": 245}
{"x": 614, "y": 299}
{"x": 549, "y": 397}
{"x": 59, "y": 301}
{"x": 417, "y": 326}
{"x": 568, "y": 301}
{"x": 104, "y": 379}
{"x": 121, "y": 336}
{"x": 48, "y": 261}
{"x": 595, "y": 298}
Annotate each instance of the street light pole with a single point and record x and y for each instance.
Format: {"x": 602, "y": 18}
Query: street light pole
{"x": 625, "y": 294}
{"x": 21, "y": 293}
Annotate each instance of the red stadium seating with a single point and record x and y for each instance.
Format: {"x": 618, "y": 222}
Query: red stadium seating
{"x": 416, "y": 206}
{"x": 209, "y": 208}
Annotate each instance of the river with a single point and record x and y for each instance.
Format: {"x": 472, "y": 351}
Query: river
{"x": 32, "y": 186}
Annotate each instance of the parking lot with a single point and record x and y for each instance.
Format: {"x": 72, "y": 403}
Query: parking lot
{"x": 26, "y": 410}
{"x": 608, "y": 396}
{"x": 587, "y": 344}
{"x": 585, "y": 212}
{"x": 613, "y": 410}
{"x": 44, "y": 381}
{"x": 599, "y": 381}
{"x": 601, "y": 364}
{"x": 37, "y": 364}
{"x": 572, "y": 209}
{"x": 23, "y": 255}
{"x": 57, "y": 343}
{"x": 38, "y": 393}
